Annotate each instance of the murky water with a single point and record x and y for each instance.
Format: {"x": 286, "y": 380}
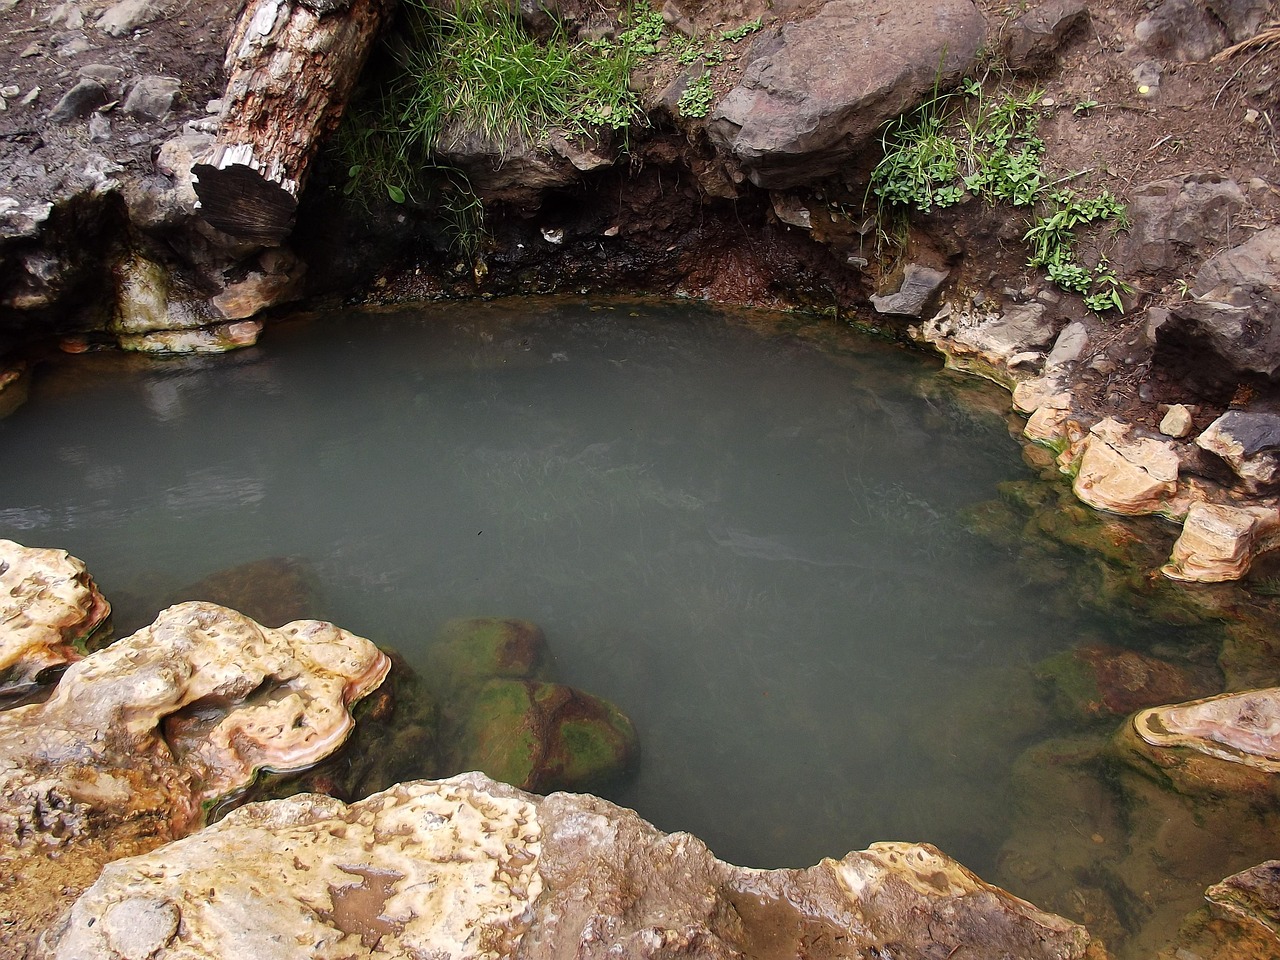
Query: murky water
{"x": 755, "y": 547}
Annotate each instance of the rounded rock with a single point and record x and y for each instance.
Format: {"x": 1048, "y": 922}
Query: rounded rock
{"x": 137, "y": 927}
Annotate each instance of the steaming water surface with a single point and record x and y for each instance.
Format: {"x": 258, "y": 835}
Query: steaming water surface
{"x": 755, "y": 547}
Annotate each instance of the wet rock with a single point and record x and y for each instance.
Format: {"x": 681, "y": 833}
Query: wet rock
{"x": 78, "y": 102}
{"x": 272, "y": 591}
{"x": 1249, "y": 443}
{"x": 1121, "y": 474}
{"x": 1220, "y": 542}
{"x": 140, "y": 738}
{"x": 791, "y": 210}
{"x": 1100, "y": 681}
{"x": 276, "y": 280}
{"x": 1253, "y": 896}
{"x": 471, "y": 868}
{"x": 216, "y": 339}
{"x": 1031, "y": 40}
{"x": 475, "y": 649}
{"x": 50, "y": 609}
{"x": 1239, "y": 727}
{"x": 919, "y": 284}
{"x": 502, "y": 717}
{"x": 152, "y": 98}
{"x": 15, "y": 385}
{"x": 1173, "y": 220}
{"x": 542, "y": 736}
{"x": 514, "y": 172}
{"x": 1177, "y": 422}
{"x": 1235, "y": 306}
{"x": 816, "y": 91}
{"x": 983, "y": 344}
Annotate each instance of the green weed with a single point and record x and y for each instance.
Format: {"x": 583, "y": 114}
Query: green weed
{"x": 697, "y": 97}
{"x": 989, "y": 147}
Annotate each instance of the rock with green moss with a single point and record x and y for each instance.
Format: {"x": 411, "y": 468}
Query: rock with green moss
{"x": 504, "y": 716}
{"x": 1098, "y": 681}
{"x": 543, "y": 736}
{"x": 474, "y": 649}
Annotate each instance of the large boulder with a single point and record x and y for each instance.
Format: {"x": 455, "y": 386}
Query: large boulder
{"x": 49, "y": 610}
{"x": 1121, "y": 473}
{"x": 1240, "y": 727}
{"x": 469, "y": 868}
{"x": 817, "y": 90}
{"x": 1219, "y": 541}
{"x": 1235, "y": 307}
{"x": 1178, "y": 218}
{"x": 1249, "y": 443}
{"x": 141, "y": 739}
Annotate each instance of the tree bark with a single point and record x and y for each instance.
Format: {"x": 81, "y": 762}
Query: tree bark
{"x": 291, "y": 66}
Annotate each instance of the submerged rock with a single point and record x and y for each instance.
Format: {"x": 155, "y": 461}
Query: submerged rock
{"x": 49, "y": 610}
{"x": 1240, "y": 727}
{"x": 1253, "y": 896}
{"x": 274, "y": 590}
{"x": 469, "y": 868}
{"x": 504, "y": 718}
{"x": 1099, "y": 681}
{"x": 140, "y": 738}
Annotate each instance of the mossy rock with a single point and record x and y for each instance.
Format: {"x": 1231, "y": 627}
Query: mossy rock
{"x": 475, "y": 649}
{"x": 542, "y": 736}
{"x": 1099, "y": 681}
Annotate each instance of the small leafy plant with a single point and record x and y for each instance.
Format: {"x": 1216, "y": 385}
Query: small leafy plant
{"x": 965, "y": 142}
{"x": 697, "y": 97}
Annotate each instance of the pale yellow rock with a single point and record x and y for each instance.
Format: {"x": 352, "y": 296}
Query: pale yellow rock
{"x": 139, "y": 740}
{"x": 469, "y": 868}
{"x": 221, "y": 338}
{"x": 1219, "y": 542}
{"x": 1123, "y": 475}
{"x": 48, "y": 604}
{"x": 1240, "y": 727}
{"x": 1030, "y": 395}
{"x": 1177, "y": 422}
{"x": 421, "y": 870}
{"x": 1053, "y": 423}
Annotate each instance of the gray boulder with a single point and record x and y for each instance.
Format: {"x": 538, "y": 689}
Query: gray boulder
{"x": 1235, "y": 306}
{"x": 78, "y": 102}
{"x": 817, "y": 90}
{"x": 152, "y": 98}
{"x": 1193, "y": 30}
{"x": 1249, "y": 443}
{"x": 1174, "y": 219}
{"x": 918, "y": 285}
{"x": 1031, "y": 41}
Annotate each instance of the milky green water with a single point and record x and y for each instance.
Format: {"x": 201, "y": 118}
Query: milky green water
{"x": 752, "y": 545}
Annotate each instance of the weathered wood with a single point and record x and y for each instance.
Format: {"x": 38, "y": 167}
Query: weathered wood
{"x": 291, "y": 65}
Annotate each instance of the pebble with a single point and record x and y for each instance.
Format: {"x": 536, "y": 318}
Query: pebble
{"x": 30, "y": 98}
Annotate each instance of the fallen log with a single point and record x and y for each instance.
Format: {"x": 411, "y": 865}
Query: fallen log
{"x": 291, "y": 66}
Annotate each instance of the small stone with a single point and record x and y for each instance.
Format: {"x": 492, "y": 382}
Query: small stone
{"x": 919, "y": 284}
{"x": 1251, "y": 116}
{"x": 105, "y": 73}
{"x": 31, "y": 96}
{"x": 78, "y": 102}
{"x": 32, "y": 49}
{"x": 151, "y": 98}
{"x": 99, "y": 128}
{"x": 1177, "y": 422}
{"x": 213, "y": 107}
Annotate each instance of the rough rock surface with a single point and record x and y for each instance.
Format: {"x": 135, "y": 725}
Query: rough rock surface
{"x": 1252, "y": 895}
{"x": 817, "y": 90}
{"x": 1219, "y": 542}
{"x": 1241, "y": 727}
{"x": 1031, "y": 40}
{"x": 1174, "y": 218}
{"x": 140, "y": 738}
{"x": 469, "y": 868}
{"x": 1235, "y": 306}
{"x": 1122, "y": 474}
{"x": 1249, "y": 443}
{"x": 1098, "y": 681}
{"x": 919, "y": 283}
{"x": 49, "y": 610}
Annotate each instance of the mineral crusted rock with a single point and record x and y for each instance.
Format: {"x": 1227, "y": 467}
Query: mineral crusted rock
{"x": 984, "y": 345}
{"x": 1219, "y": 542}
{"x": 1249, "y": 443}
{"x": 468, "y": 868}
{"x": 1124, "y": 475}
{"x": 817, "y": 90}
{"x": 1252, "y": 895}
{"x": 49, "y": 606}
{"x": 216, "y": 339}
{"x": 155, "y": 728}
{"x": 1240, "y": 727}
